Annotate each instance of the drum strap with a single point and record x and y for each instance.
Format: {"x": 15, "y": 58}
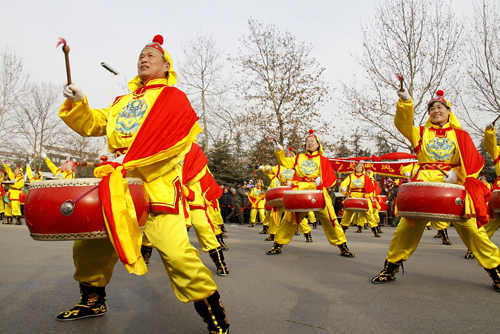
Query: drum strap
{"x": 418, "y": 148}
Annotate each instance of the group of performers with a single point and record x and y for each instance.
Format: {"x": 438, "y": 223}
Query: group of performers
{"x": 152, "y": 132}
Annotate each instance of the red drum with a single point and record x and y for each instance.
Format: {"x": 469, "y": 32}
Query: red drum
{"x": 268, "y": 208}
{"x": 432, "y": 201}
{"x": 495, "y": 201}
{"x": 303, "y": 200}
{"x": 381, "y": 200}
{"x": 274, "y": 196}
{"x": 48, "y": 219}
{"x": 356, "y": 204}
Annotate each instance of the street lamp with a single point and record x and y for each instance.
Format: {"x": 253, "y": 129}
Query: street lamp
{"x": 113, "y": 73}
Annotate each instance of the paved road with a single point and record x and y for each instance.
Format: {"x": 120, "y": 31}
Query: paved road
{"x": 307, "y": 289}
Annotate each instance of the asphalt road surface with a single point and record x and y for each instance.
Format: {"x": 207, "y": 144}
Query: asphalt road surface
{"x": 308, "y": 288}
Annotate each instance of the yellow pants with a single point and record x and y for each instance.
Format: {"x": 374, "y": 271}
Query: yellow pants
{"x": 267, "y": 218}
{"x": 334, "y": 234}
{"x": 275, "y": 224}
{"x": 253, "y": 215}
{"x": 492, "y": 226}
{"x": 191, "y": 280}
{"x": 376, "y": 216}
{"x": 406, "y": 239}
{"x": 1, "y": 205}
{"x": 206, "y": 237}
{"x": 304, "y": 227}
{"x": 440, "y": 225}
{"x": 13, "y": 209}
{"x": 363, "y": 217}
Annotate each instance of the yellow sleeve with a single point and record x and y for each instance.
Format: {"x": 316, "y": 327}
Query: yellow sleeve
{"x": 53, "y": 168}
{"x": 490, "y": 143}
{"x": 345, "y": 184}
{"x": 29, "y": 172}
{"x": 83, "y": 120}
{"x": 403, "y": 120}
{"x": 9, "y": 172}
{"x": 282, "y": 160}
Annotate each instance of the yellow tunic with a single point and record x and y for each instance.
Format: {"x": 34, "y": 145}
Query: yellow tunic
{"x": 59, "y": 173}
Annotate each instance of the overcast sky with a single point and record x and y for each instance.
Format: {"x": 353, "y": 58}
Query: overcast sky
{"x": 116, "y": 31}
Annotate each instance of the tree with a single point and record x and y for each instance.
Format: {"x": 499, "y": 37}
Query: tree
{"x": 419, "y": 39}
{"x": 281, "y": 84}
{"x": 203, "y": 82}
{"x": 343, "y": 150}
{"x": 224, "y": 165}
{"x": 14, "y": 85}
{"x": 483, "y": 60}
{"x": 36, "y": 121}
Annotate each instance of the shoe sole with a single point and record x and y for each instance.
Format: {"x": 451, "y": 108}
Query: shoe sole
{"x": 84, "y": 317}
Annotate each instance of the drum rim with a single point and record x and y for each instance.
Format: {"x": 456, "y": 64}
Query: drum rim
{"x": 69, "y": 236}
{"x": 302, "y": 192}
{"x": 434, "y": 184}
{"x": 273, "y": 201}
{"x": 280, "y": 187}
{"x": 356, "y": 198}
{"x": 83, "y": 182}
{"x": 432, "y": 216}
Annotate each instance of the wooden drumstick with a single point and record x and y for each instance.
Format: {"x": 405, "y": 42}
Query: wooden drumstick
{"x": 88, "y": 164}
{"x": 401, "y": 80}
{"x": 496, "y": 119}
{"x": 442, "y": 171}
{"x": 65, "y": 49}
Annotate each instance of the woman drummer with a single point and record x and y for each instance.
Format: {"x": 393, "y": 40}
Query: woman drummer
{"x": 442, "y": 143}
{"x": 312, "y": 171}
{"x": 359, "y": 185}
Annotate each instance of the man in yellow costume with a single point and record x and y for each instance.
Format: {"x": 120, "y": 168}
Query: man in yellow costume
{"x": 150, "y": 131}
{"x": 66, "y": 170}
{"x": 312, "y": 171}
{"x": 33, "y": 178}
{"x": 257, "y": 203}
{"x": 13, "y": 196}
{"x": 442, "y": 143}
{"x": 2, "y": 194}
{"x": 359, "y": 185}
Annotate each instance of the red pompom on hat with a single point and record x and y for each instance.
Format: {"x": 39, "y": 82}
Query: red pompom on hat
{"x": 158, "y": 39}
{"x": 156, "y": 44}
{"x": 311, "y": 134}
{"x": 439, "y": 98}
{"x": 290, "y": 149}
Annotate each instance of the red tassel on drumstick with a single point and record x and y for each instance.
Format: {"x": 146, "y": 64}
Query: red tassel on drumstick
{"x": 65, "y": 49}
{"x": 401, "y": 80}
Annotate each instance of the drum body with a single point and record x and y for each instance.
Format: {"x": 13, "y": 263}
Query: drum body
{"x": 274, "y": 196}
{"x": 46, "y": 221}
{"x": 495, "y": 201}
{"x": 432, "y": 201}
{"x": 381, "y": 200}
{"x": 356, "y": 204}
{"x": 303, "y": 200}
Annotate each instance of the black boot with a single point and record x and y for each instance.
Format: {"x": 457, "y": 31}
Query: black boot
{"x": 146, "y": 252}
{"x": 360, "y": 230}
{"x": 92, "y": 304}
{"x": 265, "y": 230}
{"x": 223, "y": 228}
{"x": 366, "y": 226}
{"x": 297, "y": 232}
{"x": 221, "y": 242}
{"x": 1, "y": 216}
{"x": 437, "y": 236}
{"x": 218, "y": 257}
{"x": 469, "y": 254}
{"x": 379, "y": 230}
{"x": 444, "y": 237}
{"x": 9, "y": 220}
{"x": 315, "y": 225}
{"x": 428, "y": 227}
{"x": 251, "y": 224}
{"x": 495, "y": 276}
{"x": 270, "y": 237}
{"x": 308, "y": 237}
{"x": 388, "y": 273}
{"x": 18, "y": 222}
{"x": 344, "y": 251}
{"x": 213, "y": 314}
{"x": 344, "y": 228}
{"x": 375, "y": 233}
{"x": 275, "y": 250}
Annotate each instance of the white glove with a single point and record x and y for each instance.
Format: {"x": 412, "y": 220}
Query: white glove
{"x": 452, "y": 177}
{"x": 73, "y": 93}
{"x": 44, "y": 156}
{"x": 317, "y": 181}
{"x": 404, "y": 95}
{"x": 278, "y": 147}
{"x": 261, "y": 167}
{"x": 344, "y": 189}
{"x": 289, "y": 183}
{"x": 490, "y": 126}
{"x": 407, "y": 174}
{"x": 386, "y": 202}
{"x": 268, "y": 168}
{"x": 120, "y": 159}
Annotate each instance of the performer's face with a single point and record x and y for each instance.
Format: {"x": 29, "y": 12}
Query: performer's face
{"x": 439, "y": 114}
{"x": 151, "y": 65}
{"x": 289, "y": 154}
{"x": 17, "y": 171}
{"x": 359, "y": 168}
{"x": 312, "y": 144}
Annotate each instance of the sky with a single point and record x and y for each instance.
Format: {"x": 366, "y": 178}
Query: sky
{"x": 114, "y": 32}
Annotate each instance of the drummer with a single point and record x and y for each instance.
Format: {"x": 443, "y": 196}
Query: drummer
{"x": 280, "y": 177}
{"x": 2, "y": 194}
{"x": 13, "y": 204}
{"x": 66, "y": 170}
{"x": 376, "y": 199}
{"x": 150, "y": 131}
{"x": 34, "y": 178}
{"x": 359, "y": 185}
{"x": 312, "y": 171}
{"x": 442, "y": 143}
{"x": 257, "y": 202}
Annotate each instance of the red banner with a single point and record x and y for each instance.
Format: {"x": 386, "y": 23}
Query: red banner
{"x": 387, "y": 168}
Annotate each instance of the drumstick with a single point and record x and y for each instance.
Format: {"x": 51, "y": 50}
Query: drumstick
{"x": 496, "y": 119}
{"x": 442, "y": 171}
{"x": 400, "y": 78}
{"x": 65, "y": 49}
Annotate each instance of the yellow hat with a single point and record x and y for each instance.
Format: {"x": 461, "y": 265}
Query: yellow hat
{"x": 455, "y": 123}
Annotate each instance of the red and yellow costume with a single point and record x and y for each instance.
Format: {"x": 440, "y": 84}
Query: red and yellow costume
{"x": 257, "y": 204}
{"x": 13, "y": 196}
{"x": 58, "y": 172}
{"x": 448, "y": 147}
{"x": 490, "y": 143}
{"x": 31, "y": 177}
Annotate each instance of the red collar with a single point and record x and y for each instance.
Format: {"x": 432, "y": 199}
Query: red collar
{"x": 310, "y": 156}
{"x": 440, "y": 132}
